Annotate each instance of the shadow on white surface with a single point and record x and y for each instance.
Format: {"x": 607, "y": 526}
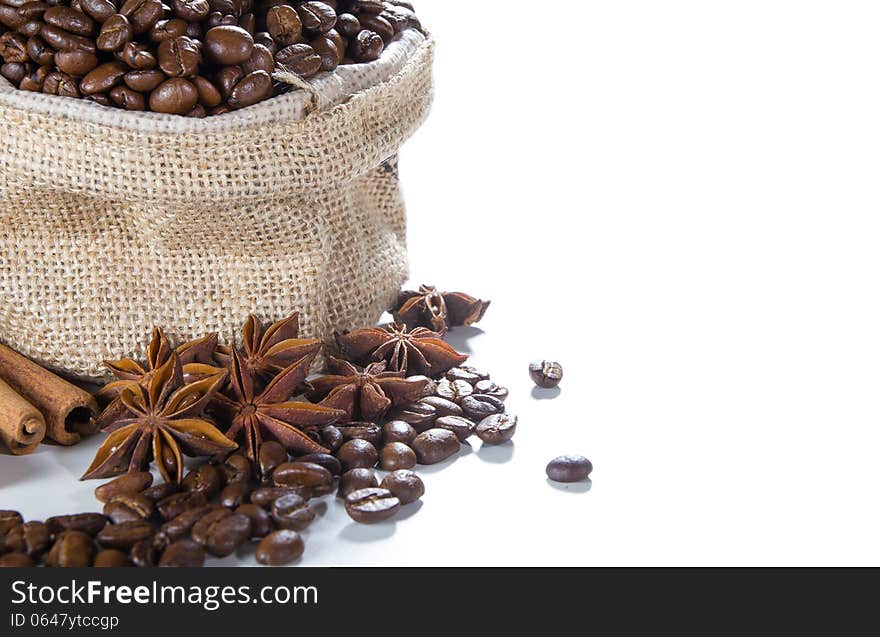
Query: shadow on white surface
{"x": 356, "y": 532}
{"x": 497, "y": 453}
{"x": 539, "y": 393}
{"x": 408, "y": 510}
{"x": 571, "y": 487}
{"x": 458, "y": 337}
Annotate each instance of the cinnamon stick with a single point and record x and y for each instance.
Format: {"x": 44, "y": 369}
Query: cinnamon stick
{"x": 22, "y": 426}
{"x": 68, "y": 410}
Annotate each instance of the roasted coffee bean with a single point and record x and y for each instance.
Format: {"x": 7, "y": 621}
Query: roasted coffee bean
{"x": 284, "y": 25}
{"x": 143, "y": 14}
{"x": 99, "y": 98}
{"x": 398, "y": 431}
{"x": 228, "y": 45}
{"x": 35, "y": 27}
{"x": 61, "y": 84}
{"x": 546, "y": 374}
{"x": 435, "y": 445}
{"x": 76, "y": 63}
{"x": 329, "y": 53}
{"x": 125, "y": 535}
{"x": 496, "y": 429}
{"x": 248, "y": 22}
{"x": 330, "y": 463}
{"x": 61, "y": 40}
{"x": 454, "y": 390}
{"x": 463, "y": 373}
{"x": 265, "y": 496}
{"x": 348, "y": 25}
{"x": 180, "y": 526}
{"x": 459, "y": 425}
{"x": 198, "y": 111}
{"x": 367, "y": 7}
{"x": 397, "y": 19}
{"x": 292, "y": 512}
{"x": 304, "y": 474}
{"x": 205, "y": 479}
{"x": 264, "y": 38}
{"x": 271, "y": 454}
{"x": 191, "y": 10}
{"x": 367, "y": 46}
{"x": 261, "y": 60}
{"x": 13, "y": 47}
{"x": 127, "y": 507}
{"x": 261, "y": 521}
{"x": 235, "y": 494}
{"x": 356, "y": 479}
{"x": 220, "y": 534}
{"x": 33, "y": 10}
{"x": 128, "y": 99}
{"x": 569, "y": 469}
{"x": 317, "y": 17}
{"x": 144, "y": 554}
{"x": 368, "y": 506}
{"x": 488, "y": 388}
{"x": 70, "y": 20}
{"x": 160, "y": 491}
{"x": 134, "y": 482}
{"x": 380, "y": 25}
{"x": 10, "y": 17}
{"x": 405, "y": 485}
{"x": 168, "y": 30}
{"x": 236, "y": 468}
{"x": 102, "y": 78}
{"x": 15, "y": 72}
{"x": 175, "y": 96}
{"x": 72, "y": 549}
{"x": 396, "y": 455}
{"x": 300, "y": 59}
{"x": 34, "y": 80}
{"x": 280, "y": 548}
{"x": 39, "y": 52}
{"x": 143, "y": 81}
{"x": 172, "y": 506}
{"x": 111, "y": 558}
{"x": 16, "y": 560}
{"x": 442, "y": 406}
{"x": 31, "y": 538}
{"x": 362, "y": 430}
{"x": 331, "y": 437}
{"x": 420, "y": 415}
{"x": 138, "y": 56}
{"x": 183, "y": 554}
{"x": 357, "y": 453}
{"x": 115, "y": 34}
{"x": 99, "y": 10}
{"x": 253, "y": 88}
{"x": 8, "y": 520}
{"x": 179, "y": 57}
{"x": 479, "y": 406}
{"x": 227, "y": 78}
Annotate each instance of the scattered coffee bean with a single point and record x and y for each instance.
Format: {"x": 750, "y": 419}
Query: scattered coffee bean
{"x": 235, "y": 494}
{"x": 420, "y": 415}
{"x": 183, "y": 553}
{"x": 355, "y": 479}
{"x": 144, "y": 554}
{"x": 435, "y": 445}
{"x": 569, "y": 469}
{"x": 30, "y": 538}
{"x": 364, "y": 430}
{"x": 496, "y": 429}
{"x": 180, "y": 526}
{"x": 405, "y": 485}
{"x": 284, "y": 25}
{"x": 134, "y": 482}
{"x": 454, "y": 390}
{"x": 175, "y": 96}
{"x": 222, "y": 532}
{"x": 76, "y": 63}
{"x": 125, "y": 535}
{"x": 357, "y": 453}
{"x": 330, "y": 463}
{"x": 111, "y": 558}
{"x": 479, "y": 406}
{"x": 331, "y": 437}
{"x": 280, "y": 548}
{"x": 316, "y": 16}
{"x": 265, "y": 496}
{"x": 228, "y": 45}
{"x": 129, "y": 507}
{"x": 442, "y": 406}
{"x": 292, "y": 512}
{"x": 488, "y": 388}
{"x": 71, "y": 549}
{"x": 398, "y": 431}
{"x": 396, "y": 455}
{"x": 304, "y": 474}
{"x": 251, "y": 89}
{"x": 270, "y": 456}
{"x": 102, "y": 78}
{"x": 300, "y": 59}
{"x": 237, "y": 468}
{"x": 261, "y": 521}
{"x": 89, "y": 523}
{"x": 460, "y": 426}
{"x": 160, "y": 491}
{"x": 174, "y": 505}
{"x": 372, "y": 505}
{"x": 546, "y": 374}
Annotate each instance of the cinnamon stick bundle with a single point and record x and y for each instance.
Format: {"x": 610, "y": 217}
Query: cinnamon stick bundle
{"x": 69, "y": 411}
{"x": 22, "y": 426}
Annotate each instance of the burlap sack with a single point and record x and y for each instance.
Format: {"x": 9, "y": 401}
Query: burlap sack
{"x": 113, "y": 222}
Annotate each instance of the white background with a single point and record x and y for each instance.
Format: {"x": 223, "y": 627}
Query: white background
{"x": 677, "y": 200}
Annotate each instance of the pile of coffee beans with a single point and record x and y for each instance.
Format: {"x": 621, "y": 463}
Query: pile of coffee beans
{"x": 188, "y": 57}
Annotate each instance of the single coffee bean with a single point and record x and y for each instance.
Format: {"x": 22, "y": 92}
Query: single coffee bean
{"x": 205, "y": 479}
{"x": 138, "y": 56}
{"x": 261, "y": 60}
{"x": 125, "y": 535}
{"x": 30, "y": 538}
{"x": 435, "y": 445}
{"x": 144, "y": 554}
{"x": 368, "y": 506}
{"x": 380, "y": 25}
{"x": 329, "y": 53}
{"x": 304, "y": 474}
{"x": 175, "y": 96}
{"x": 460, "y": 426}
{"x": 280, "y": 548}
{"x": 363, "y": 430}
{"x": 16, "y": 560}
{"x": 398, "y": 431}
{"x": 8, "y": 520}
{"x": 271, "y": 454}
{"x": 13, "y": 47}
{"x": 143, "y": 14}
{"x": 191, "y": 10}
{"x": 546, "y": 374}
{"x": 467, "y": 373}
{"x": 221, "y": 535}
{"x": 442, "y": 406}
{"x": 10, "y": 17}
{"x": 70, "y": 20}
{"x": 72, "y": 549}
{"x": 357, "y": 453}
{"x": 39, "y": 51}
{"x": 284, "y": 25}
{"x": 61, "y": 40}
{"x": 35, "y": 27}
{"x": 454, "y": 390}
{"x": 248, "y": 22}
{"x": 237, "y": 467}
{"x": 330, "y": 463}
{"x": 34, "y": 80}
{"x": 134, "y": 482}
{"x": 367, "y": 7}
{"x": 261, "y": 520}
{"x": 316, "y": 16}
{"x": 99, "y": 98}
{"x": 496, "y": 429}
{"x": 179, "y": 57}
{"x": 479, "y": 406}
{"x": 265, "y": 496}
{"x": 128, "y": 99}
{"x": 102, "y": 78}
{"x": 356, "y": 479}
{"x": 15, "y": 72}
{"x": 143, "y": 82}
{"x": 181, "y": 525}
{"x": 76, "y": 63}
{"x": 61, "y": 84}
{"x": 292, "y": 512}
{"x": 569, "y": 469}
{"x": 367, "y": 46}
{"x": 331, "y": 437}
{"x": 115, "y": 34}
{"x": 128, "y": 507}
{"x": 405, "y": 485}
{"x": 488, "y": 388}
{"x": 226, "y": 80}
{"x": 348, "y": 25}
{"x": 111, "y": 558}
{"x": 99, "y": 10}
{"x": 235, "y": 494}
{"x": 168, "y": 30}
{"x": 183, "y": 554}
{"x": 172, "y": 506}
{"x": 160, "y": 491}
{"x": 398, "y": 20}
{"x": 300, "y": 59}
{"x": 420, "y": 415}
{"x": 228, "y": 45}
{"x": 396, "y": 455}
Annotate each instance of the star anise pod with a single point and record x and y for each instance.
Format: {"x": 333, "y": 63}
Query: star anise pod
{"x": 419, "y": 351}
{"x": 267, "y": 352}
{"x": 270, "y": 414}
{"x": 428, "y": 307}
{"x": 163, "y": 421}
{"x": 368, "y": 394}
{"x": 195, "y": 356}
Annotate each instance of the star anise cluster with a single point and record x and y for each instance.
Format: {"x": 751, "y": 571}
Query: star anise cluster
{"x": 428, "y": 307}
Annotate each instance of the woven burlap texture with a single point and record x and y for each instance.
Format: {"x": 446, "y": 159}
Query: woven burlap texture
{"x": 113, "y": 223}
